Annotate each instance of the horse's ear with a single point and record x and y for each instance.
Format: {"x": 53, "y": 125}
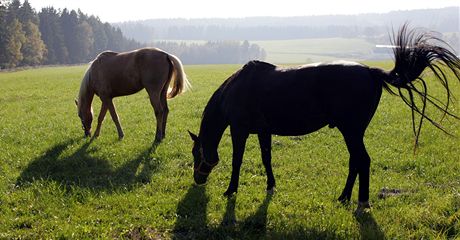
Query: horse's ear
{"x": 193, "y": 136}
{"x": 76, "y": 102}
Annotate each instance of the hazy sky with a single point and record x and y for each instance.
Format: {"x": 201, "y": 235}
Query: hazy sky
{"x": 117, "y": 11}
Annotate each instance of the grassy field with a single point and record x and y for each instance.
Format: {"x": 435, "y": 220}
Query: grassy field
{"x": 316, "y": 49}
{"x": 309, "y": 50}
{"x": 56, "y": 184}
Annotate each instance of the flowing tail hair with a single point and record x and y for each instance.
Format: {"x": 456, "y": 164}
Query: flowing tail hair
{"x": 413, "y": 52}
{"x": 179, "y": 80}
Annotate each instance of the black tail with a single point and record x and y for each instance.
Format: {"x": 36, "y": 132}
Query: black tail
{"x": 413, "y": 52}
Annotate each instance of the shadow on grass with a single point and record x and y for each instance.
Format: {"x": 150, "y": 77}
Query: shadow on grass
{"x": 192, "y": 222}
{"x": 368, "y": 227}
{"x": 191, "y": 214}
{"x": 82, "y": 170}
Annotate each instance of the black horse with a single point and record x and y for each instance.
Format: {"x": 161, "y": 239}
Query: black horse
{"x": 264, "y": 99}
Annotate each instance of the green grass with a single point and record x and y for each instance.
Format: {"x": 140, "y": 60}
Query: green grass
{"x": 55, "y": 184}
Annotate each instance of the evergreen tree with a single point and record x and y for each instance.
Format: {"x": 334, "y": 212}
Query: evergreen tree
{"x": 13, "y": 11}
{"x": 84, "y": 41}
{"x": 26, "y": 13}
{"x": 52, "y": 36}
{"x": 99, "y": 35}
{"x": 69, "y": 23}
{"x": 3, "y": 33}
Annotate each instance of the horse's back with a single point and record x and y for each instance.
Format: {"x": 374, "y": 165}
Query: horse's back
{"x": 295, "y": 101}
{"x": 118, "y": 74}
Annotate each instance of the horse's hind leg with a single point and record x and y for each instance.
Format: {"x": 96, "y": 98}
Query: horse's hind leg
{"x": 352, "y": 174}
{"x": 114, "y": 115}
{"x": 359, "y": 164}
{"x": 265, "y": 141}
{"x": 164, "y": 105}
{"x": 159, "y": 114}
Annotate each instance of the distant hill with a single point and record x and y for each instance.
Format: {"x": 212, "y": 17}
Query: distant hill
{"x": 371, "y": 25}
{"x": 300, "y": 39}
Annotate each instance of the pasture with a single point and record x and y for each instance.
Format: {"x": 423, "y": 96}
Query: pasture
{"x": 314, "y": 50}
{"x": 56, "y": 184}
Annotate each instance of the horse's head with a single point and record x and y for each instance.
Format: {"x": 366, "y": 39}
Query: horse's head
{"x": 201, "y": 166}
{"x": 86, "y": 117}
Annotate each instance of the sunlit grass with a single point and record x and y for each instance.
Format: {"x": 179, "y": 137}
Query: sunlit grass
{"x": 54, "y": 183}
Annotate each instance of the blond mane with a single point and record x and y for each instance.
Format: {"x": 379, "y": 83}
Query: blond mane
{"x": 84, "y": 86}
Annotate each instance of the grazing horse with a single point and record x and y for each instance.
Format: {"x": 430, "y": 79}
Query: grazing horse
{"x": 114, "y": 74}
{"x": 264, "y": 99}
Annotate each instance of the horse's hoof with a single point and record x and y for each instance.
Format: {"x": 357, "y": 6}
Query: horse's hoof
{"x": 344, "y": 200}
{"x": 271, "y": 191}
{"x": 229, "y": 193}
{"x": 199, "y": 184}
{"x": 363, "y": 207}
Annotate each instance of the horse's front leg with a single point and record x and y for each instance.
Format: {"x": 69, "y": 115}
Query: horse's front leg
{"x": 265, "y": 141}
{"x": 100, "y": 119}
{"x": 239, "y": 138}
{"x": 114, "y": 115}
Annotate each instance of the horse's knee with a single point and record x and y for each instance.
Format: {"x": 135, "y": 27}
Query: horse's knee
{"x": 159, "y": 112}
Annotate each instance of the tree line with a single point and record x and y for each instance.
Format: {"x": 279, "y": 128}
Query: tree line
{"x": 54, "y": 36}
{"x": 213, "y": 52}
{"x": 373, "y": 27}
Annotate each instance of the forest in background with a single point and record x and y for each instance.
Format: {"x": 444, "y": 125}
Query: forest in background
{"x": 53, "y": 36}
{"x": 374, "y": 28}
{"x": 63, "y": 36}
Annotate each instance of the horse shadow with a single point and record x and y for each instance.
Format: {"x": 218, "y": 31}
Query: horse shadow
{"x": 83, "y": 170}
{"x": 192, "y": 222}
{"x": 368, "y": 226}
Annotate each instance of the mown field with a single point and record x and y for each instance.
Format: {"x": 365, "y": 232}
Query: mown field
{"x": 314, "y": 50}
{"x": 310, "y": 50}
{"x": 56, "y": 184}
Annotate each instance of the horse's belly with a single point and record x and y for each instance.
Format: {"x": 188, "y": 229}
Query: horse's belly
{"x": 301, "y": 128}
{"x": 293, "y": 126}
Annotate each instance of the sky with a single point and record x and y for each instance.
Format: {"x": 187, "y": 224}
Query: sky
{"x": 128, "y": 10}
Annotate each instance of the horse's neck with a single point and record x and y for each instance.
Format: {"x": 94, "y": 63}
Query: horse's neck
{"x": 88, "y": 99}
{"x": 85, "y": 98}
{"x": 212, "y": 128}
{"x": 86, "y": 94}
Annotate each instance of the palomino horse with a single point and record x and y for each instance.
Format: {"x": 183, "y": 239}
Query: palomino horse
{"x": 264, "y": 99}
{"x": 114, "y": 74}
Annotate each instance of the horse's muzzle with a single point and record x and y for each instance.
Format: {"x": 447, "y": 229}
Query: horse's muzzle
{"x": 88, "y": 133}
{"x": 200, "y": 179}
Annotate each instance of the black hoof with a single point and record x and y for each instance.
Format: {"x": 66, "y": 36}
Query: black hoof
{"x": 271, "y": 190}
{"x": 344, "y": 200}
{"x": 363, "y": 208}
{"x": 229, "y": 193}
